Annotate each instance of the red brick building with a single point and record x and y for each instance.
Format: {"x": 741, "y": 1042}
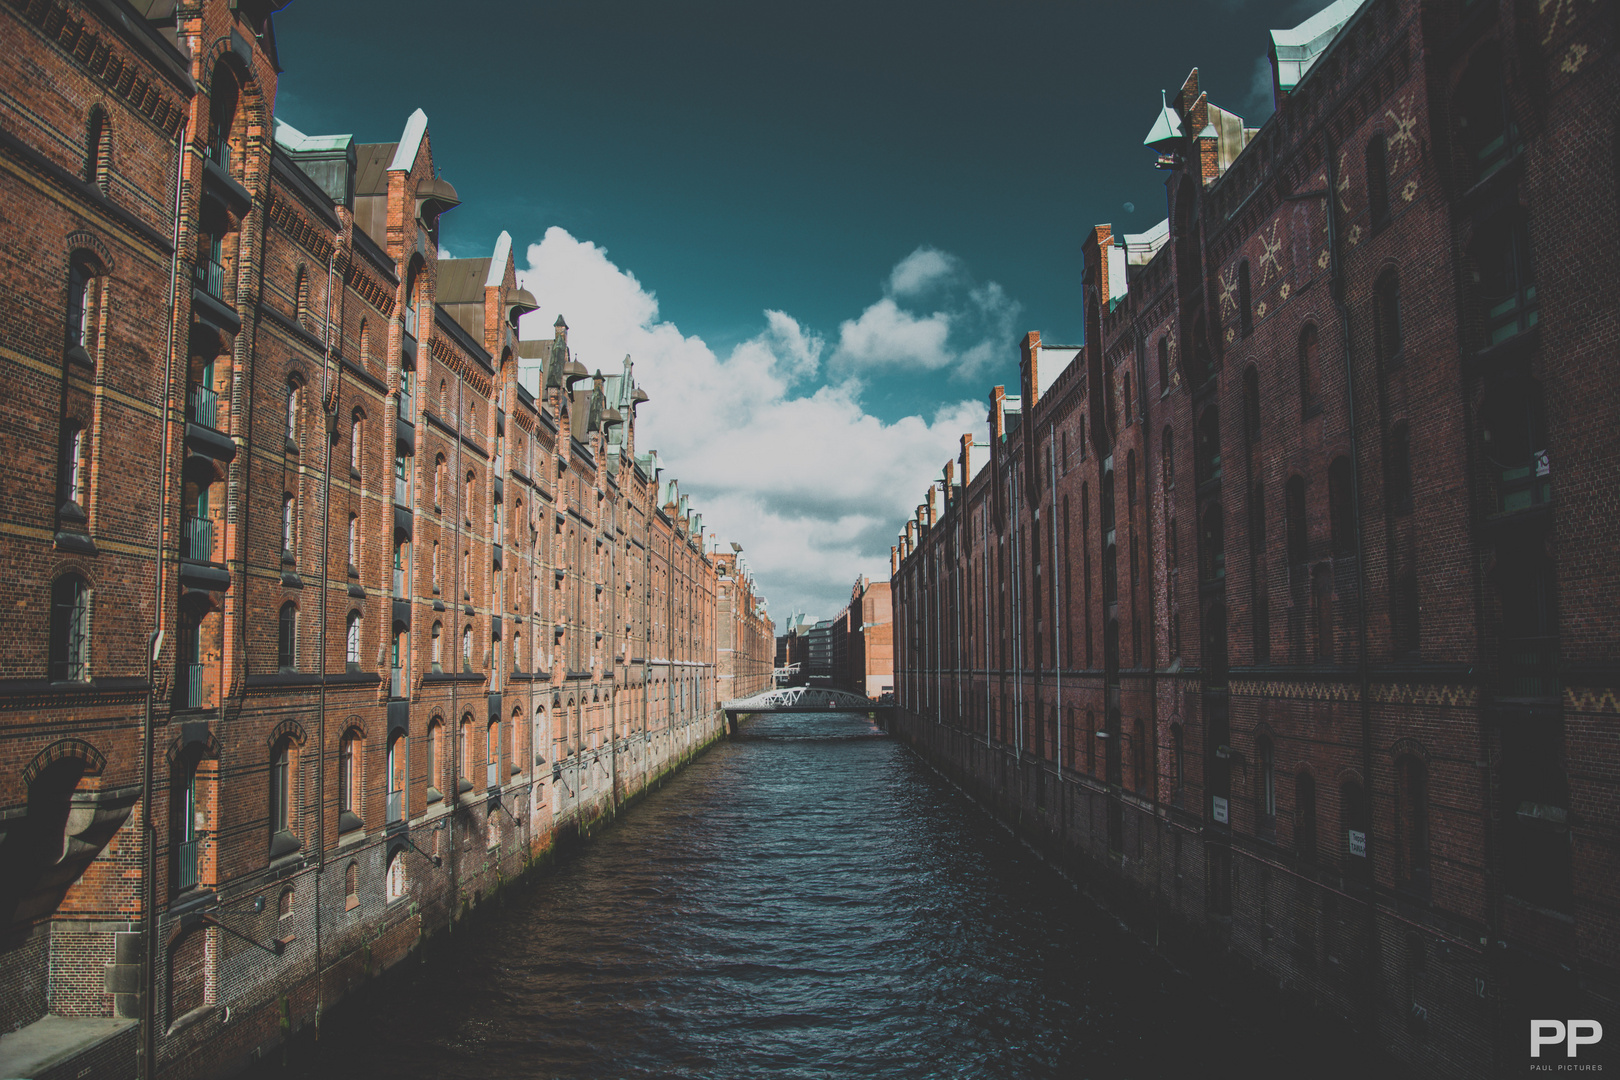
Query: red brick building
{"x": 863, "y": 641}
{"x": 336, "y": 601}
{"x": 1283, "y": 609}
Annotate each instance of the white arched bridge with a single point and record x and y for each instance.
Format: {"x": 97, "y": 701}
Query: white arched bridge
{"x": 801, "y": 699}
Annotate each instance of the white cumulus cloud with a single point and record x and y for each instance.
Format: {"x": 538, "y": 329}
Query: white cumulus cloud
{"x": 969, "y": 325}
{"x": 777, "y": 456}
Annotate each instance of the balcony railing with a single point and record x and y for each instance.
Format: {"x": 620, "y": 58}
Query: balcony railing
{"x": 186, "y": 863}
{"x": 202, "y": 406}
{"x": 402, "y": 491}
{"x": 494, "y": 774}
{"x": 1512, "y": 315}
{"x": 1524, "y": 486}
{"x": 199, "y": 539}
{"x": 399, "y": 583}
{"x": 396, "y": 683}
{"x": 396, "y": 806}
{"x": 219, "y": 152}
{"x": 209, "y": 276}
{"x": 1530, "y": 667}
{"x": 191, "y": 686}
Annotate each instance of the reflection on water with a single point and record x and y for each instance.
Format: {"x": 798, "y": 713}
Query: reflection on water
{"x": 807, "y": 900}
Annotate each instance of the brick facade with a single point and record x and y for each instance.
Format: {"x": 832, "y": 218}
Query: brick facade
{"x": 1283, "y": 609}
{"x": 420, "y": 607}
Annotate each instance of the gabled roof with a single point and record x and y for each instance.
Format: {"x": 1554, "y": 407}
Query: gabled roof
{"x": 461, "y": 281}
{"x": 1297, "y": 49}
{"x": 371, "y": 168}
{"x": 409, "y": 142}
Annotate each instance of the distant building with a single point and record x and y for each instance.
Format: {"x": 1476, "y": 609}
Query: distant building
{"x": 863, "y": 641}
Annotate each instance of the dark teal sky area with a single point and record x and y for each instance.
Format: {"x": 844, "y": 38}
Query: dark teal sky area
{"x": 743, "y": 156}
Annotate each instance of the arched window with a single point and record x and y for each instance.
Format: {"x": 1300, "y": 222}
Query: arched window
{"x": 284, "y": 903}
{"x": 349, "y": 780}
{"x": 356, "y": 440}
{"x": 98, "y": 149}
{"x": 443, "y": 398}
{"x": 351, "y": 885}
{"x": 1294, "y": 514}
{"x": 1487, "y": 135}
{"x": 435, "y": 758}
{"x": 301, "y": 295}
{"x": 438, "y": 482}
{"x": 1387, "y": 319}
{"x": 70, "y": 629}
{"x": 354, "y": 545}
{"x": 1506, "y": 288}
{"x": 222, "y": 97}
{"x": 409, "y": 312}
{"x": 282, "y": 840}
{"x": 84, "y": 308}
{"x": 287, "y": 531}
{"x": 464, "y": 750}
{"x": 187, "y": 822}
{"x": 1411, "y": 820}
{"x": 467, "y": 497}
{"x": 1353, "y": 819}
{"x": 492, "y": 756}
{"x": 71, "y": 472}
{"x": 397, "y": 773}
{"x": 402, "y": 564}
{"x": 1251, "y": 405}
{"x": 1341, "y": 507}
{"x": 466, "y": 647}
{"x": 517, "y": 650}
{"x": 1164, "y": 364}
{"x": 351, "y": 641}
{"x": 1310, "y": 371}
{"x": 287, "y": 639}
{"x": 1266, "y": 796}
{"x": 1377, "y": 180}
{"x": 394, "y": 882}
{"x": 1399, "y": 469}
{"x": 399, "y": 673}
{"x": 1245, "y": 310}
{"x": 1305, "y": 817}
{"x": 292, "y": 414}
{"x": 437, "y": 647}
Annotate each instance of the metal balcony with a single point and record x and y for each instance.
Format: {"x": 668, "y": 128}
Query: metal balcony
{"x": 186, "y": 863}
{"x": 198, "y": 539}
{"x": 1530, "y": 667}
{"x": 202, "y": 406}
{"x": 399, "y": 584}
{"x": 396, "y": 683}
{"x": 402, "y": 491}
{"x": 494, "y": 774}
{"x": 396, "y": 806}
{"x": 191, "y": 686}
{"x": 209, "y": 276}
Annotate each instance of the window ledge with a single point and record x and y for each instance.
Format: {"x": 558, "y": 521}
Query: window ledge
{"x": 283, "y": 842}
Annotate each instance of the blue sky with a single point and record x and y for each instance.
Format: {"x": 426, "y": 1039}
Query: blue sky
{"x": 819, "y": 228}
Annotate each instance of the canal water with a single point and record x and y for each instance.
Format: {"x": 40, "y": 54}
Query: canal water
{"x": 808, "y": 900}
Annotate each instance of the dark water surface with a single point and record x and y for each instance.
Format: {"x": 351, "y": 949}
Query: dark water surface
{"x": 810, "y": 901}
